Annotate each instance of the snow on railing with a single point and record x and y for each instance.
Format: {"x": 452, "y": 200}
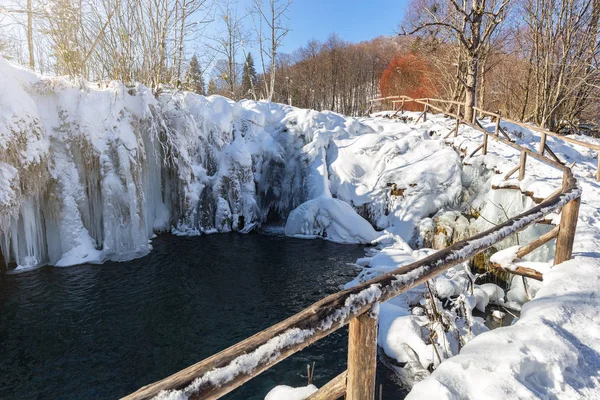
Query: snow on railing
{"x": 399, "y": 102}
{"x": 219, "y": 374}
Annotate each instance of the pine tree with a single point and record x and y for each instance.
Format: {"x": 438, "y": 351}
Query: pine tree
{"x": 212, "y": 87}
{"x": 194, "y": 82}
{"x": 248, "y": 77}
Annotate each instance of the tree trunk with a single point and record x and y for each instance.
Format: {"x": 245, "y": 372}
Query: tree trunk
{"x": 273, "y": 52}
{"x": 30, "y": 34}
{"x": 471, "y": 88}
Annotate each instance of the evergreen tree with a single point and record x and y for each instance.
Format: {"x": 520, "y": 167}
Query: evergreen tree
{"x": 212, "y": 87}
{"x": 194, "y": 82}
{"x": 248, "y": 77}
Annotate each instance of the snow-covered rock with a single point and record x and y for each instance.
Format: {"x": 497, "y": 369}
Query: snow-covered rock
{"x": 283, "y": 392}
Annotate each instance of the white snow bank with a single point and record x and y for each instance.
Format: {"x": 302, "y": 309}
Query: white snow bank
{"x": 289, "y": 393}
{"x": 552, "y": 351}
{"x": 88, "y": 173}
{"x": 331, "y": 219}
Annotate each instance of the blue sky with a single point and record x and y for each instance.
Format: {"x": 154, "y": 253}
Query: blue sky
{"x": 353, "y": 20}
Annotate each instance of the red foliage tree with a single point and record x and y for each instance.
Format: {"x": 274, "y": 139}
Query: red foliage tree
{"x": 408, "y": 75}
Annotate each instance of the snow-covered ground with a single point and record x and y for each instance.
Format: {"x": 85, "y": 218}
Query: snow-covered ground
{"x": 90, "y": 172}
{"x": 553, "y": 349}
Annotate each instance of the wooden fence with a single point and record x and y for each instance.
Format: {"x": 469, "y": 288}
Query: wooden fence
{"x": 454, "y": 108}
{"x": 221, "y": 373}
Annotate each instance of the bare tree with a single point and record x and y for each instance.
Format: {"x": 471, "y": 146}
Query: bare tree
{"x": 227, "y": 44}
{"x": 471, "y": 24}
{"x": 564, "y": 53}
{"x": 270, "y": 26}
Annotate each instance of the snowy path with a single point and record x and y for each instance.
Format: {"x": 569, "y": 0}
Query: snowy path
{"x": 553, "y": 350}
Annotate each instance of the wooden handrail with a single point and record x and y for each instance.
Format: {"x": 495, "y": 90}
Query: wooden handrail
{"x": 229, "y": 369}
{"x": 223, "y": 372}
{"x": 553, "y": 134}
{"x": 544, "y": 132}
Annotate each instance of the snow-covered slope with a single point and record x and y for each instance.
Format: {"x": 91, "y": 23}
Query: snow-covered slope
{"x": 553, "y": 349}
{"x": 90, "y": 172}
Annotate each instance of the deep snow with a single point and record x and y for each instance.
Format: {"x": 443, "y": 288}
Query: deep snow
{"x": 90, "y": 172}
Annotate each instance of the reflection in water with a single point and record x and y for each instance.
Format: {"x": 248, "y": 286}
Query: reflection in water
{"x": 104, "y": 331}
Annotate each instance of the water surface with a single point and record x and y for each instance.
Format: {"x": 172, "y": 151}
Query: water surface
{"x": 103, "y": 331}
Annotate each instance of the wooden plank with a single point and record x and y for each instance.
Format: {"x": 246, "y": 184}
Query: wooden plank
{"x": 488, "y": 113}
{"x": 522, "y": 271}
{"x": 545, "y": 238}
{"x": 485, "y": 144}
{"x": 515, "y": 146}
{"x": 502, "y": 131}
{"x": 362, "y": 358}
{"x": 384, "y": 98}
{"x": 542, "y": 144}
{"x": 332, "y": 390}
{"x": 476, "y": 150}
{"x": 457, "y": 125}
{"x": 598, "y": 169}
{"x": 555, "y": 135}
{"x": 512, "y": 171}
{"x": 566, "y": 232}
{"x": 522, "y": 164}
{"x": 220, "y": 374}
{"x": 554, "y": 156}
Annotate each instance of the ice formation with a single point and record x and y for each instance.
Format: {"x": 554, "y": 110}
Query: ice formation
{"x": 90, "y": 172}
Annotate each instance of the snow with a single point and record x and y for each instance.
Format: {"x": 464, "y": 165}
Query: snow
{"x": 505, "y": 257}
{"x": 329, "y": 218}
{"x": 550, "y": 352}
{"x": 89, "y": 174}
{"x": 289, "y": 393}
{"x": 494, "y": 292}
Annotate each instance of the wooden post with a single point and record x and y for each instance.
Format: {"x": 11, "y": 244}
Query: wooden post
{"x": 334, "y": 389}
{"x": 566, "y": 231}
{"x": 458, "y": 120}
{"x": 456, "y": 129}
{"x": 403, "y": 105}
{"x": 542, "y": 144}
{"x": 522, "y": 164}
{"x": 425, "y": 111}
{"x": 485, "y": 140}
{"x": 362, "y": 358}
{"x": 497, "y": 128}
{"x": 598, "y": 169}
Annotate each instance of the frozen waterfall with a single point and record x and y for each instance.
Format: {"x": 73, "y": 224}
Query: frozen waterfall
{"x": 89, "y": 172}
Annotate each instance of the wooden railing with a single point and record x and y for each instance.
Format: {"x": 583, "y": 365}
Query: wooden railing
{"x": 399, "y": 103}
{"x": 358, "y": 307}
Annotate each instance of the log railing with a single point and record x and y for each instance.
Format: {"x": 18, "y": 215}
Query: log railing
{"x": 221, "y": 373}
{"x": 399, "y": 102}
